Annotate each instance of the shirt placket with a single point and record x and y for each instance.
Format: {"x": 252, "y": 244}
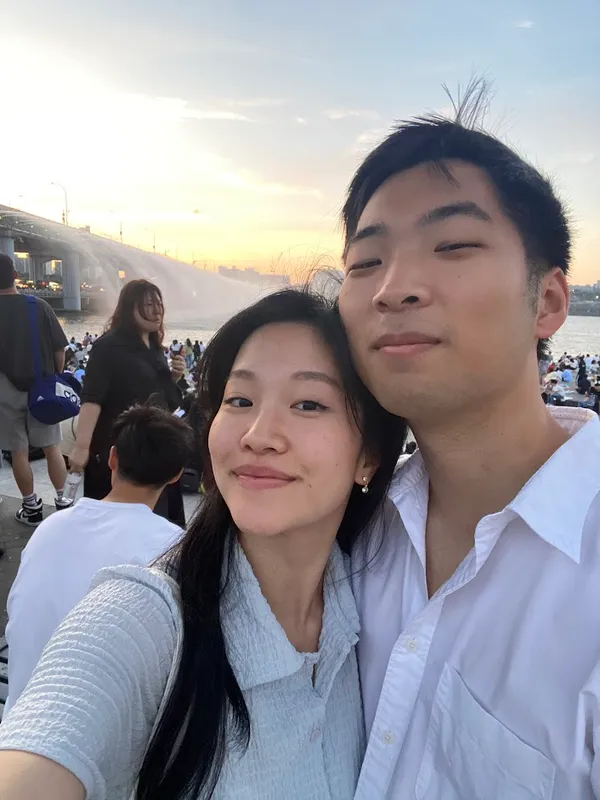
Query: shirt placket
{"x": 401, "y": 687}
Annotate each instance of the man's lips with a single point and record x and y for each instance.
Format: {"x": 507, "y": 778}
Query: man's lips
{"x": 405, "y": 344}
{"x": 255, "y": 477}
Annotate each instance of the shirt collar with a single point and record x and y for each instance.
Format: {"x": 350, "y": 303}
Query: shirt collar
{"x": 556, "y": 500}
{"x": 554, "y": 503}
{"x": 250, "y": 626}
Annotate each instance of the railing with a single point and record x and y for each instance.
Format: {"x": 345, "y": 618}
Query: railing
{"x": 43, "y": 293}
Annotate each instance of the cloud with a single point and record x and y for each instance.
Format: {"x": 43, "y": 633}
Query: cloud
{"x": 227, "y": 116}
{"x": 347, "y": 113}
{"x": 574, "y": 159}
{"x": 525, "y": 23}
{"x": 367, "y": 140}
{"x": 258, "y": 102}
{"x": 301, "y": 121}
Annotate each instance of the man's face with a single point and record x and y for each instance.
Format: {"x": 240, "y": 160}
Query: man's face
{"x": 436, "y": 293}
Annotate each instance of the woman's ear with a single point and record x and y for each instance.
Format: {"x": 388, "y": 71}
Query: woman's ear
{"x": 365, "y": 470}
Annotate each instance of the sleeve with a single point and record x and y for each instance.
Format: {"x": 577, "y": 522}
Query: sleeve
{"x": 97, "y": 375}
{"x": 92, "y": 700}
{"x": 33, "y": 618}
{"x": 57, "y": 336}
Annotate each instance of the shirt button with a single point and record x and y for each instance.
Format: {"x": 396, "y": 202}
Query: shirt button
{"x": 412, "y": 645}
{"x": 388, "y": 737}
{"x": 315, "y": 735}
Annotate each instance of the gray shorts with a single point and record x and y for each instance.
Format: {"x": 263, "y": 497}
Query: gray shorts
{"x": 18, "y": 429}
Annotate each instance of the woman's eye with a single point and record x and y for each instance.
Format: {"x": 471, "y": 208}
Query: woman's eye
{"x": 237, "y": 402}
{"x": 310, "y": 405}
{"x": 367, "y": 264}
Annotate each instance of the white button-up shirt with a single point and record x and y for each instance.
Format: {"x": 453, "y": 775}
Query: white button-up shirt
{"x": 490, "y": 690}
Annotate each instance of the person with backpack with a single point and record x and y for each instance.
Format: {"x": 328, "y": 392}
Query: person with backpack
{"x": 19, "y": 428}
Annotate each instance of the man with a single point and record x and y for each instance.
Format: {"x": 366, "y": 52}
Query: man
{"x": 556, "y": 392}
{"x": 61, "y": 558}
{"x": 18, "y": 429}
{"x": 176, "y": 348}
{"x": 480, "y": 615}
{"x": 79, "y": 354}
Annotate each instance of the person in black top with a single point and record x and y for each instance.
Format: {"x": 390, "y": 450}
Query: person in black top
{"x": 127, "y": 366}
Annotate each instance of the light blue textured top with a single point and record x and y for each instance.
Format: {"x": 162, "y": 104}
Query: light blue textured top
{"x": 94, "y": 697}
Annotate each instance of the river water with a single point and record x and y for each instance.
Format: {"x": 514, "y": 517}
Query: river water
{"x": 578, "y": 335}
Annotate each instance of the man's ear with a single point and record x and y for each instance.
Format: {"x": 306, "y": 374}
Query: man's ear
{"x": 112, "y": 459}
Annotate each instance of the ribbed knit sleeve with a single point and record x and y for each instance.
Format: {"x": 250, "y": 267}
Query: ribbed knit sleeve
{"x": 93, "y": 698}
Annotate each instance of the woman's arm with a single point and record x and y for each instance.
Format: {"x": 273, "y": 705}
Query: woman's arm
{"x": 91, "y": 703}
{"x": 86, "y": 423}
{"x": 22, "y": 775}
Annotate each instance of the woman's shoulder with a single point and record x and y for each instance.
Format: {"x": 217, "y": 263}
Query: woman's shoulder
{"x": 147, "y": 584}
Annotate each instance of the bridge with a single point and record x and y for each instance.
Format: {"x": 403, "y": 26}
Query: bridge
{"x": 192, "y": 295}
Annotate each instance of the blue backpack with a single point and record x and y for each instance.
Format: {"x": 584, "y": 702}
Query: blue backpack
{"x": 51, "y": 400}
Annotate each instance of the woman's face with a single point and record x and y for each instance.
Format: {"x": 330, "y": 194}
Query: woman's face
{"x": 285, "y": 453}
{"x": 149, "y": 316}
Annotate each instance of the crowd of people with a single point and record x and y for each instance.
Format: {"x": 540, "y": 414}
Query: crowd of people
{"x": 329, "y": 625}
{"x": 571, "y": 381}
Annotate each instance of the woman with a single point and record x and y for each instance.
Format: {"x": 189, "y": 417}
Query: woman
{"x": 264, "y": 700}
{"x": 583, "y": 382}
{"x": 188, "y": 353}
{"x": 126, "y": 366}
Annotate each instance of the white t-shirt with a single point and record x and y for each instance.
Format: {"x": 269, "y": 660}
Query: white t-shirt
{"x": 58, "y": 564}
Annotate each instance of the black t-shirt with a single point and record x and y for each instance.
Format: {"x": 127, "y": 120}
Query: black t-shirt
{"x": 121, "y": 372}
{"x": 16, "y": 354}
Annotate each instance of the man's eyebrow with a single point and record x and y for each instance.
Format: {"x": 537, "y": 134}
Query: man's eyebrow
{"x": 462, "y": 209}
{"x": 376, "y": 229}
{"x": 311, "y": 375}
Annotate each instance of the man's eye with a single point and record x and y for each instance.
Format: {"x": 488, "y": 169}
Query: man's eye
{"x": 367, "y": 264}
{"x": 448, "y": 248}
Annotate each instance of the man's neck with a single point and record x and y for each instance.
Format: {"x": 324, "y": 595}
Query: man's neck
{"x": 122, "y": 492}
{"x": 10, "y": 290}
{"x": 477, "y": 463}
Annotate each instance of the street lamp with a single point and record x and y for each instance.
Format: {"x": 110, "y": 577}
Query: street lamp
{"x": 66, "y": 212}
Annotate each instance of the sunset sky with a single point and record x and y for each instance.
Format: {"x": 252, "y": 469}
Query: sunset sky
{"x": 228, "y": 130}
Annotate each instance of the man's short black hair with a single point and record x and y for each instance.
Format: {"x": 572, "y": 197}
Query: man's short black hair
{"x": 7, "y": 272}
{"x": 525, "y": 195}
{"x": 152, "y": 445}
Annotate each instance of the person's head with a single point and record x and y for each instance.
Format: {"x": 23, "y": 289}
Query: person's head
{"x": 410, "y": 448}
{"x": 456, "y": 255}
{"x": 174, "y": 341}
{"x": 140, "y": 311}
{"x": 151, "y": 448}
{"x": 188, "y": 342}
{"x": 553, "y": 382}
{"x": 289, "y": 432}
{"x": 8, "y": 274}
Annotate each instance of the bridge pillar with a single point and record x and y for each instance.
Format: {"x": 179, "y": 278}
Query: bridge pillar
{"x": 71, "y": 272}
{"x": 39, "y": 271}
{"x": 7, "y": 246}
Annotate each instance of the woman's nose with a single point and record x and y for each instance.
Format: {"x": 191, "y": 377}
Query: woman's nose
{"x": 266, "y": 433}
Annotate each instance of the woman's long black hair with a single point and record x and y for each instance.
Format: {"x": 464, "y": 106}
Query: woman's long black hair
{"x": 205, "y": 712}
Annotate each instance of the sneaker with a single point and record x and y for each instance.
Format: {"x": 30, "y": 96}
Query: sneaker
{"x": 62, "y": 503}
{"x": 30, "y": 515}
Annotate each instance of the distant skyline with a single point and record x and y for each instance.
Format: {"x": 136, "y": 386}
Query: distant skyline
{"x": 228, "y": 131}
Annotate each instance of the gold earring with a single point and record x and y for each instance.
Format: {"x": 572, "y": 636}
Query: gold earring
{"x": 365, "y": 488}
